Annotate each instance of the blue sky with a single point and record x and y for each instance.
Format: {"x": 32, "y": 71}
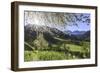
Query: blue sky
{"x": 82, "y": 26}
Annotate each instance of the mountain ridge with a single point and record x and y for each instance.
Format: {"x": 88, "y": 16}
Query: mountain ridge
{"x": 32, "y": 31}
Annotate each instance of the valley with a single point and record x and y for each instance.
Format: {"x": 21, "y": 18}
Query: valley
{"x": 43, "y": 43}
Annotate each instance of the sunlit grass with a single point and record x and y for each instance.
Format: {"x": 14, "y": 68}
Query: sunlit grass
{"x": 76, "y": 48}
{"x": 45, "y": 54}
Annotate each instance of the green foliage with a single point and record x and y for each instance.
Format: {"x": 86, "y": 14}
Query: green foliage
{"x": 74, "y": 47}
{"x": 43, "y": 55}
{"x": 51, "y": 55}
{"x": 28, "y": 56}
{"x": 60, "y": 52}
{"x": 64, "y": 50}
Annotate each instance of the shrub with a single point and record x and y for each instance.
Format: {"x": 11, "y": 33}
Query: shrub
{"x": 30, "y": 56}
{"x": 51, "y": 55}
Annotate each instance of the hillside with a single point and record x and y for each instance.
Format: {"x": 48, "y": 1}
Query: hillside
{"x": 44, "y": 40}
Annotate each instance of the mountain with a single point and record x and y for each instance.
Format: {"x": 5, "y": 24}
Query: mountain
{"x": 78, "y": 32}
{"x": 45, "y": 33}
{"x": 75, "y": 32}
{"x": 52, "y": 35}
{"x": 86, "y": 36}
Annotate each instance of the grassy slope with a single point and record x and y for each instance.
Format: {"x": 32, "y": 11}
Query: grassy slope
{"x": 57, "y": 52}
{"x": 52, "y": 55}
